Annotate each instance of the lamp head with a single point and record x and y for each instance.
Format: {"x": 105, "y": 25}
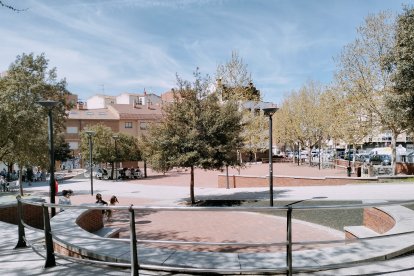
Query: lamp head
{"x": 48, "y": 103}
{"x": 90, "y": 132}
{"x": 269, "y": 111}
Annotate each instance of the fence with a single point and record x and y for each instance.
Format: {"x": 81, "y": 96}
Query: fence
{"x": 135, "y": 265}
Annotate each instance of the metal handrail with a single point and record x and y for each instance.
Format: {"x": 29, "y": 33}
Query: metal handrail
{"x": 221, "y": 209}
{"x": 135, "y": 266}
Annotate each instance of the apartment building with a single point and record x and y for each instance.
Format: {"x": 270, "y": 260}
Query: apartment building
{"x": 124, "y": 114}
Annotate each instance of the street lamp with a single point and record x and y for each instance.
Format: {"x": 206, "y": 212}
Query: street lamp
{"x": 49, "y": 105}
{"x": 116, "y": 137}
{"x": 289, "y": 231}
{"x": 90, "y": 133}
{"x": 269, "y": 112}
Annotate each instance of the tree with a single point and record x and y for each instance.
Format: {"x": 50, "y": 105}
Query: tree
{"x": 155, "y": 148}
{"x": 196, "y": 131}
{"x": 235, "y": 82}
{"x": 402, "y": 66}
{"x": 104, "y": 151}
{"x": 23, "y": 139}
{"x": 62, "y": 149}
{"x": 10, "y": 7}
{"x": 255, "y": 134}
{"x": 364, "y": 76}
{"x": 304, "y": 117}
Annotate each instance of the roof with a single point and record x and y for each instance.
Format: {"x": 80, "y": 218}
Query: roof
{"x": 257, "y": 105}
{"x": 92, "y": 114}
{"x": 127, "y": 111}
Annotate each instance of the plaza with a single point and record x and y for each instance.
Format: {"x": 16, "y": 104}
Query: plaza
{"x": 171, "y": 190}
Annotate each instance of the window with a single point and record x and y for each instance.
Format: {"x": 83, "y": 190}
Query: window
{"x": 73, "y": 145}
{"x": 143, "y": 126}
{"x": 72, "y": 130}
{"x": 128, "y": 124}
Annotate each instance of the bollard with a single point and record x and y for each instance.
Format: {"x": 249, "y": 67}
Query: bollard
{"x": 21, "y": 243}
{"x": 134, "y": 251}
{"x": 348, "y": 171}
{"x": 289, "y": 241}
{"x": 50, "y": 255}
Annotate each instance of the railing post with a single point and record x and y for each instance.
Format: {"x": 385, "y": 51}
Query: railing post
{"x": 134, "y": 251}
{"x": 289, "y": 241}
{"x": 21, "y": 242}
{"x": 50, "y": 256}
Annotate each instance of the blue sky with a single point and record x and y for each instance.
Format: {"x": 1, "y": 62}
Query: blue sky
{"x": 116, "y": 46}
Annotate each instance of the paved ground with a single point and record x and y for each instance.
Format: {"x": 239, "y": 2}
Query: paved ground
{"x": 172, "y": 190}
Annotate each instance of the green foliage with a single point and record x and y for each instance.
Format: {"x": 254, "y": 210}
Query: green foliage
{"x": 197, "y": 131}
{"x": 403, "y": 65}
{"x": 23, "y": 138}
{"x": 104, "y": 149}
{"x": 62, "y": 149}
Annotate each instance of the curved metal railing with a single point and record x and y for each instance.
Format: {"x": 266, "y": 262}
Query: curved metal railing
{"x": 133, "y": 241}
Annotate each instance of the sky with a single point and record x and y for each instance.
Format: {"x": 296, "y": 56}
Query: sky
{"x": 115, "y": 46}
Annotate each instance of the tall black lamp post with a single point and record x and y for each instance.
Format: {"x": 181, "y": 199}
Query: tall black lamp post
{"x": 49, "y": 104}
{"x": 90, "y": 133}
{"x": 269, "y": 112}
{"x": 116, "y": 137}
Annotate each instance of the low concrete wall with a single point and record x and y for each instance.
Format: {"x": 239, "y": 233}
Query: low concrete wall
{"x": 245, "y": 181}
{"x": 32, "y": 215}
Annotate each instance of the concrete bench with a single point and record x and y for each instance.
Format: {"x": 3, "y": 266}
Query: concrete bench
{"x": 79, "y": 242}
{"x": 108, "y": 232}
{"x": 356, "y": 232}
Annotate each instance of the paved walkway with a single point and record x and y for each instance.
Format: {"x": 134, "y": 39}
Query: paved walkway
{"x": 172, "y": 190}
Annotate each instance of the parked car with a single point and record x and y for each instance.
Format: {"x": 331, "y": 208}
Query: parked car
{"x": 364, "y": 158}
{"x": 102, "y": 174}
{"x": 380, "y": 159}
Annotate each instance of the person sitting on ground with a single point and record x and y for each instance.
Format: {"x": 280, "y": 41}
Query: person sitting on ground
{"x": 65, "y": 198}
{"x": 112, "y": 202}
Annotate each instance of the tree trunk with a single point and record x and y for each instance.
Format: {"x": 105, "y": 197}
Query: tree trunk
{"x": 354, "y": 147}
{"x": 145, "y": 169}
{"x": 20, "y": 180}
{"x": 192, "y": 186}
{"x": 394, "y": 153}
{"x": 112, "y": 170}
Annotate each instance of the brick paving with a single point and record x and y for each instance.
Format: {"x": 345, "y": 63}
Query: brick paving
{"x": 208, "y": 179}
{"x": 244, "y": 227}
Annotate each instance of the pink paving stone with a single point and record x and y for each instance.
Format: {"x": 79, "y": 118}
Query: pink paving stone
{"x": 244, "y": 227}
{"x": 209, "y": 178}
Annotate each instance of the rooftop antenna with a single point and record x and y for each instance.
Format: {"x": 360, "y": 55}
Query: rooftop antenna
{"x": 103, "y": 89}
